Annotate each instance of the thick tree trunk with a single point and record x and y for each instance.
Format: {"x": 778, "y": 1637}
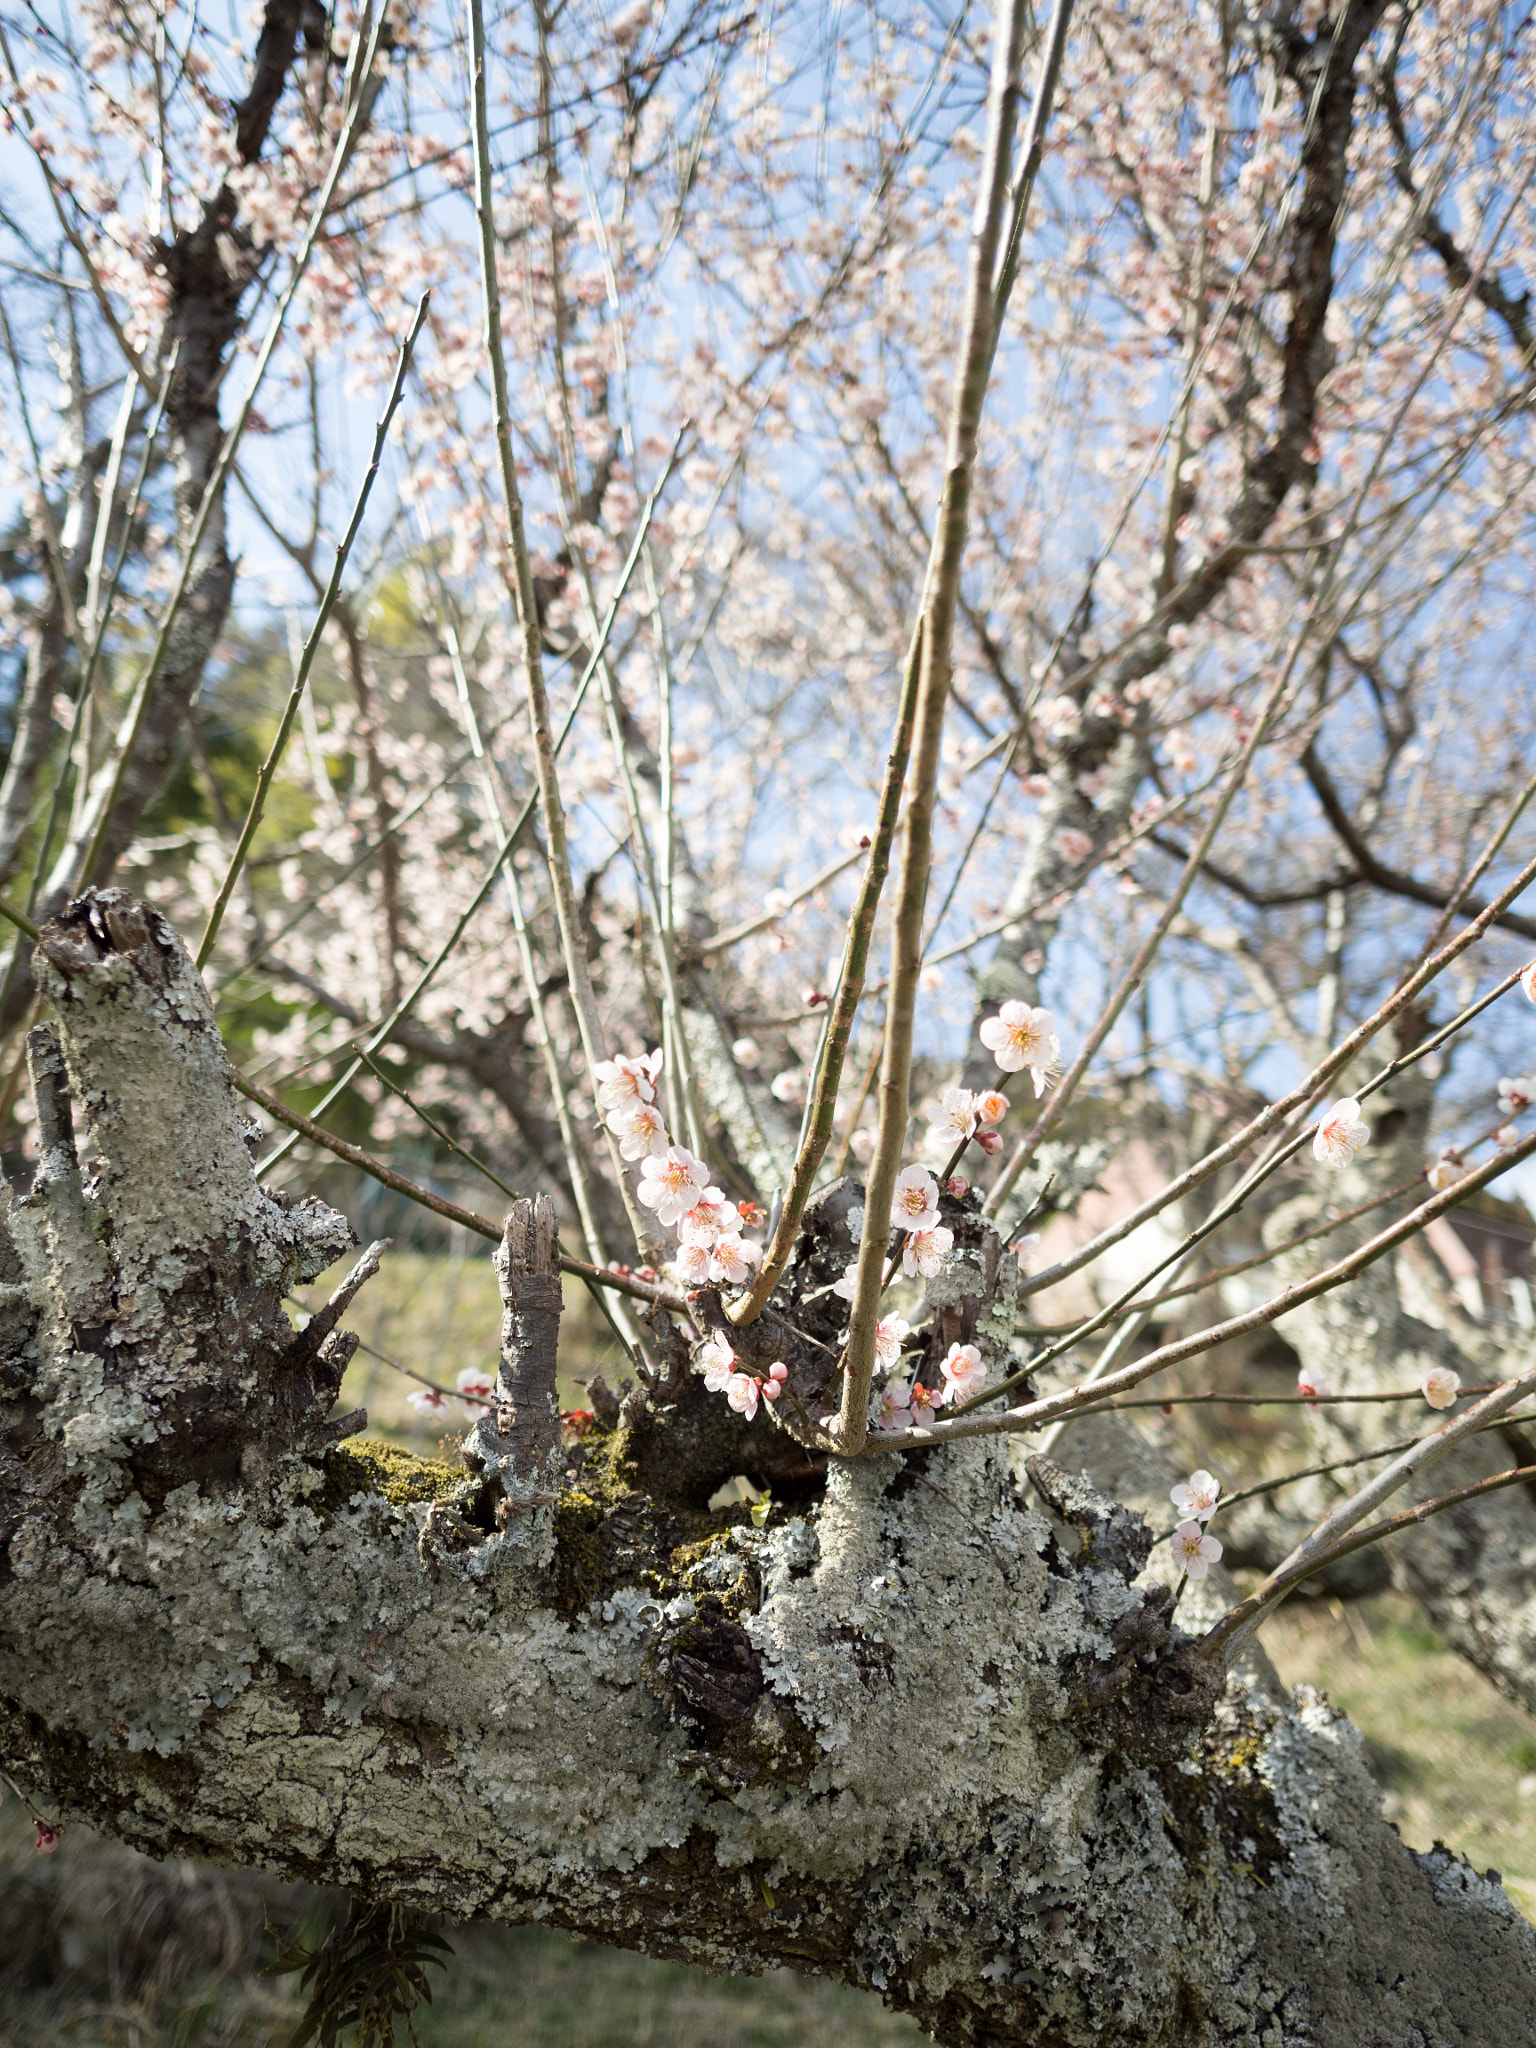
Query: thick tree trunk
{"x": 924, "y": 1731}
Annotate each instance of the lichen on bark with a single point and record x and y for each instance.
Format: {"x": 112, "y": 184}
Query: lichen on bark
{"x": 904, "y": 1734}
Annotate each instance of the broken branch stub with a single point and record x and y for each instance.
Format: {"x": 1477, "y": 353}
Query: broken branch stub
{"x": 520, "y": 1441}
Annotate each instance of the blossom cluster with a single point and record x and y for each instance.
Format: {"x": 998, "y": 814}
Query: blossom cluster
{"x": 1195, "y": 1549}
{"x": 711, "y": 1249}
{"x": 901, "y": 1404}
{"x": 676, "y": 1185}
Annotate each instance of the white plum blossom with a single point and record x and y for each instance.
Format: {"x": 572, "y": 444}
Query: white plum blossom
{"x": 1443, "y": 1174}
{"x": 1195, "y": 1549}
{"x": 891, "y": 1407}
{"x": 1440, "y": 1386}
{"x": 475, "y": 1390}
{"x": 1313, "y": 1382}
{"x": 671, "y": 1182}
{"x": 719, "y": 1363}
{"x": 965, "y": 1373}
{"x": 889, "y": 1333}
{"x": 915, "y": 1199}
{"x": 1516, "y": 1094}
{"x": 746, "y": 1052}
{"x": 428, "y": 1401}
{"x": 1197, "y": 1496}
{"x": 1505, "y": 1135}
{"x": 731, "y": 1259}
{"x": 741, "y": 1390}
{"x": 624, "y": 1080}
{"x": 991, "y": 1106}
{"x": 789, "y": 1086}
{"x": 710, "y": 1216}
{"x": 639, "y": 1130}
{"x": 956, "y": 1119}
{"x": 1528, "y": 981}
{"x": 1341, "y": 1133}
{"x": 1021, "y": 1038}
{"x": 922, "y": 1251}
{"x": 846, "y": 1287}
{"x": 692, "y": 1264}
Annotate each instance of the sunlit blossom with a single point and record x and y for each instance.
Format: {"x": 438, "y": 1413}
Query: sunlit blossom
{"x": 1197, "y": 1496}
{"x": 671, "y": 1182}
{"x": 915, "y": 1199}
{"x": 692, "y": 1264}
{"x": 1195, "y": 1549}
{"x": 1440, "y": 1386}
{"x": 625, "y": 1079}
{"x": 965, "y": 1373}
{"x": 639, "y": 1129}
{"x": 1443, "y": 1174}
{"x": 846, "y": 1286}
{"x": 923, "y": 1251}
{"x": 991, "y": 1106}
{"x": 956, "y": 1119}
{"x": 1020, "y": 1037}
{"x": 719, "y": 1363}
{"x": 708, "y": 1218}
{"x": 1341, "y": 1133}
{"x": 731, "y": 1260}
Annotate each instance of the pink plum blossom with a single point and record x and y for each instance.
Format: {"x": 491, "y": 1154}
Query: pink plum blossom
{"x": 1440, "y": 1386}
{"x": 915, "y": 1199}
{"x": 891, "y": 1407}
{"x": 991, "y": 1107}
{"x": 923, "y": 1251}
{"x": 1197, "y": 1496}
{"x": 965, "y": 1373}
{"x": 1341, "y": 1133}
{"x": 773, "y": 1386}
{"x": 1019, "y": 1038}
{"x": 1195, "y": 1549}
{"x": 671, "y": 1182}
{"x": 48, "y": 1839}
{"x": 925, "y": 1403}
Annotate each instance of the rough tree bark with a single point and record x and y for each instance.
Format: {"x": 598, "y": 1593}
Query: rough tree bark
{"x": 926, "y": 1731}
